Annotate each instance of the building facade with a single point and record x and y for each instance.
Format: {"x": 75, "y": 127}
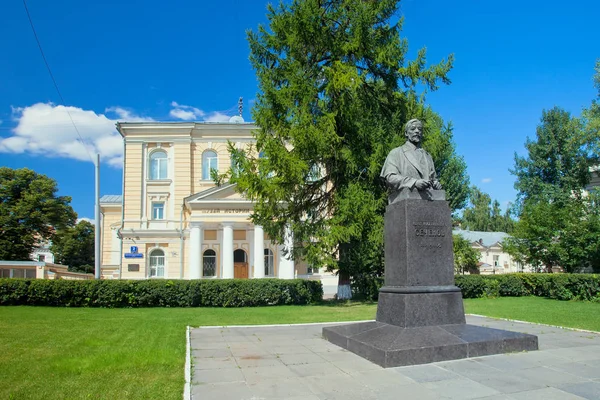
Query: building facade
{"x": 172, "y": 221}
{"x": 492, "y": 257}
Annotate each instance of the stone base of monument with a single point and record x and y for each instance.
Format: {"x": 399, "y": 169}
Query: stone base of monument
{"x": 420, "y": 314}
{"x": 393, "y": 346}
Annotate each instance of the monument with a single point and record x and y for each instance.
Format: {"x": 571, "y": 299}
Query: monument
{"x": 420, "y": 314}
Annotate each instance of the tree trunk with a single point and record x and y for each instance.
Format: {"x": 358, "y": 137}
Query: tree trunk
{"x": 344, "y": 291}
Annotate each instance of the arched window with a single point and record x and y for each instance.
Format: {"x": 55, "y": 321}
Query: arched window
{"x": 269, "y": 263}
{"x": 239, "y": 255}
{"x": 157, "y": 263}
{"x": 209, "y": 263}
{"x": 158, "y": 165}
{"x": 209, "y": 162}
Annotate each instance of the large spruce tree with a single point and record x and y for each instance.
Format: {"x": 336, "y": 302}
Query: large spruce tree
{"x": 335, "y": 88}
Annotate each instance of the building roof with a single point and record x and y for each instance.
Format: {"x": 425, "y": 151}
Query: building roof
{"x": 486, "y": 239}
{"x": 111, "y": 198}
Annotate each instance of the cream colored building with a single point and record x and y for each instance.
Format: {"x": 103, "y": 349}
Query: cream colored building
{"x": 39, "y": 270}
{"x": 492, "y": 257}
{"x": 172, "y": 221}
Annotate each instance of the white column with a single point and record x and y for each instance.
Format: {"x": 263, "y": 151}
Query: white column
{"x": 286, "y": 264}
{"x": 259, "y": 252}
{"x": 195, "y": 249}
{"x": 227, "y": 250}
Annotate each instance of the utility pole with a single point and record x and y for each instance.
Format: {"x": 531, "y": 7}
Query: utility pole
{"x": 97, "y": 219}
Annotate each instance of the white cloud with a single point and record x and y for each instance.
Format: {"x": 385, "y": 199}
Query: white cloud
{"x": 189, "y": 113}
{"x": 126, "y": 115}
{"x": 90, "y": 220}
{"x": 486, "y": 180}
{"x": 186, "y": 113}
{"x": 217, "y": 117}
{"x": 46, "y": 129}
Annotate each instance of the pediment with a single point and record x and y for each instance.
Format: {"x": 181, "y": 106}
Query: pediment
{"x": 224, "y": 196}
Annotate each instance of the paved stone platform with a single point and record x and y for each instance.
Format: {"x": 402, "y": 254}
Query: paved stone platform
{"x": 393, "y": 346}
{"x": 295, "y": 362}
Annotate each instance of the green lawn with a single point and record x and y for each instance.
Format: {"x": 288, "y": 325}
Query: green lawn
{"x": 90, "y": 353}
{"x": 572, "y": 314}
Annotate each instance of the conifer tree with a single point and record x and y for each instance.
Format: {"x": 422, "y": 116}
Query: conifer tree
{"x": 335, "y": 88}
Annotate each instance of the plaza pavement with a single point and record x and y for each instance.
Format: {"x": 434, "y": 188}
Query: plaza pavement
{"x": 295, "y": 362}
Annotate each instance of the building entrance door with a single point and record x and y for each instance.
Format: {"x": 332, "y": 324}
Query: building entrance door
{"x": 240, "y": 264}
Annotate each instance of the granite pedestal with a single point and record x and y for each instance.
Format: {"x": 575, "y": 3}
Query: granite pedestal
{"x": 420, "y": 314}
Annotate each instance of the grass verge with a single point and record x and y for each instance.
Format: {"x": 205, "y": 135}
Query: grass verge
{"x": 94, "y": 353}
{"x": 572, "y": 314}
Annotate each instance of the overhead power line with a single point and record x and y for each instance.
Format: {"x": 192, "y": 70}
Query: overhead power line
{"x": 54, "y": 81}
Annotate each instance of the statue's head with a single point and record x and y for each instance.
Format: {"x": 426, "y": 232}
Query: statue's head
{"x": 413, "y": 130}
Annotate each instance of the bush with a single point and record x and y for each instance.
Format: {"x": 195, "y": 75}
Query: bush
{"x": 159, "y": 293}
{"x": 554, "y": 286}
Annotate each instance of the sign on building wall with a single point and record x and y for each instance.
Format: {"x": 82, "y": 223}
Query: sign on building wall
{"x": 133, "y": 253}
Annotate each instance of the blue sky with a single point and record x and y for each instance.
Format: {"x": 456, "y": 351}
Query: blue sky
{"x": 179, "y": 60}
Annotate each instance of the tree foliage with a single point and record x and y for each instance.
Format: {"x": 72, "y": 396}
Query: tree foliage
{"x": 559, "y": 221}
{"x": 335, "y": 91}
{"x": 74, "y": 246}
{"x": 556, "y": 167}
{"x": 30, "y": 211}
{"x": 465, "y": 256}
{"x": 484, "y": 215}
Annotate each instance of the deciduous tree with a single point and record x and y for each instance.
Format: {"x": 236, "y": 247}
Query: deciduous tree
{"x": 30, "y": 211}
{"x": 74, "y": 246}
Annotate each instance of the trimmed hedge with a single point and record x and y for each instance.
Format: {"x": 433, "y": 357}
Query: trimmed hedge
{"x": 159, "y": 293}
{"x": 553, "y": 286}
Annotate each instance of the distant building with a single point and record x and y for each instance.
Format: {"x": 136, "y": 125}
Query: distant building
{"x": 39, "y": 270}
{"x": 42, "y": 252}
{"x": 493, "y": 259}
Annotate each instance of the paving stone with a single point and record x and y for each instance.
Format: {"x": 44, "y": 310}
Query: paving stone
{"x": 578, "y": 369}
{"x": 222, "y": 391}
{"x": 587, "y": 390}
{"x": 426, "y": 373}
{"x": 356, "y": 366}
{"x": 253, "y": 362}
{"x": 337, "y": 387}
{"x": 303, "y": 358}
{"x": 214, "y": 363}
{"x": 468, "y": 368}
{"x": 279, "y": 389}
{"x": 549, "y": 377}
{"x": 545, "y": 394}
{"x": 506, "y": 362}
{"x": 508, "y": 382}
{"x": 218, "y": 376}
{"x": 289, "y": 350}
{"x": 383, "y": 380}
{"x": 211, "y": 353}
{"x": 316, "y": 369}
{"x": 460, "y": 388}
{"x": 196, "y": 344}
{"x": 258, "y": 374}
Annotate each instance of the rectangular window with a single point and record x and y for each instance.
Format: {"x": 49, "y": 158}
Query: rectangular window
{"x": 496, "y": 261}
{"x": 41, "y": 257}
{"x": 158, "y": 210}
{"x": 312, "y": 270}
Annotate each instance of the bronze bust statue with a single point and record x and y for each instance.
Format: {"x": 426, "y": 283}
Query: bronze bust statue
{"x": 409, "y": 169}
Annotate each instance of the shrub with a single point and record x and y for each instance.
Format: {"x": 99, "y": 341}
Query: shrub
{"x": 159, "y": 293}
{"x": 554, "y": 286}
